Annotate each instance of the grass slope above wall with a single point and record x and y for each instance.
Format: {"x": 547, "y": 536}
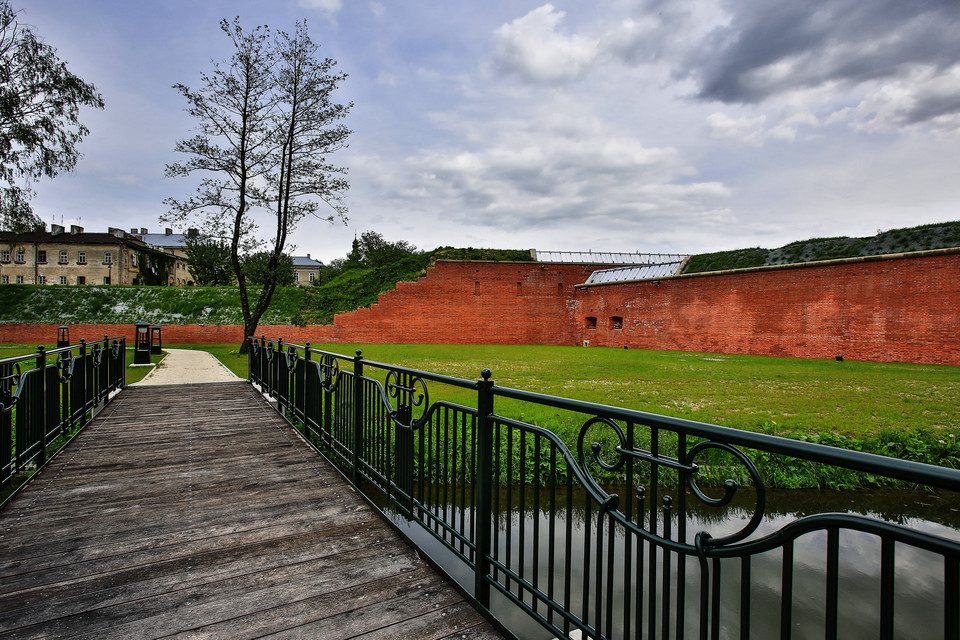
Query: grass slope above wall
{"x": 38, "y": 304}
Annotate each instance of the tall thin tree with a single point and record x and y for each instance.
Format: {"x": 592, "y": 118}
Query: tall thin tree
{"x": 267, "y": 125}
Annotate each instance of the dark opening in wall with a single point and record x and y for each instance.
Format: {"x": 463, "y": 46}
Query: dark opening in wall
{"x": 616, "y": 322}
{"x": 591, "y": 322}
{"x": 519, "y": 288}
{"x": 476, "y": 288}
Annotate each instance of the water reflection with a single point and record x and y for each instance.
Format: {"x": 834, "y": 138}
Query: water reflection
{"x": 918, "y": 590}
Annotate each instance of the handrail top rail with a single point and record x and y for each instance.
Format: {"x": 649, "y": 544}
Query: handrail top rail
{"x": 898, "y": 468}
{"x": 58, "y": 350}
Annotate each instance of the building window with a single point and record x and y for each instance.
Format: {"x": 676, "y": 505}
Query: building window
{"x": 4, "y": 256}
{"x": 20, "y": 256}
{"x": 519, "y": 289}
{"x": 591, "y": 322}
{"x": 81, "y": 279}
{"x": 616, "y": 322}
{"x": 4, "y": 279}
{"x": 63, "y": 258}
{"x": 296, "y": 276}
{"x": 41, "y": 256}
{"x": 63, "y": 279}
{"x": 106, "y": 279}
{"x": 81, "y": 258}
{"x": 41, "y": 279}
{"x": 133, "y": 259}
{"x": 19, "y": 279}
{"x": 312, "y": 276}
{"x": 107, "y": 257}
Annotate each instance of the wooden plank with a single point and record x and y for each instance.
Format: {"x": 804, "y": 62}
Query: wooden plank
{"x": 196, "y": 511}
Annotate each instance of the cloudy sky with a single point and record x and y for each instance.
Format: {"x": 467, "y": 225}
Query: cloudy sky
{"x": 622, "y": 125}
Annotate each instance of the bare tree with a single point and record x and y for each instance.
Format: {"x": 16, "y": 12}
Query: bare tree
{"x": 267, "y": 124}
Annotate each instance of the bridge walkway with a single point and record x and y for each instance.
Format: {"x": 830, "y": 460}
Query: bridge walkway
{"x": 194, "y": 511}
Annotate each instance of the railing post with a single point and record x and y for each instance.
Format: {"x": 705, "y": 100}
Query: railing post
{"x": 304, "y": 388}
{"x": 82, "y": 380}
{"x": 357, "y": 416}
{"x": 484, "y": 485}
{"x": 42, "y": 366}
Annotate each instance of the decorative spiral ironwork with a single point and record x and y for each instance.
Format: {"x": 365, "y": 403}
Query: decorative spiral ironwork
{"x": 97, "y": 353}
{"x": 291, "y": 358}
{"x": 614, "y": 461}
{"x": 65, "y": 366}
{"x": 9, "y": 398}
{"x": 270, "y": 352}
{"x": 255, "y": 345}
{"x": 411, "y": 393}
{"x": 115, "y": 349}
{"x": 329, "y": 371}
{"x": 730, "y": 488}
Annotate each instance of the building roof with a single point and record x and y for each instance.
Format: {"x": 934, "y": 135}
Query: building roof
{"x": 46, "y": 237}
{"x": 636, "y": 272}
{"x": 164, "y": 240}
{"x": 306, "y": 261}
{"x": 606, "y": 257}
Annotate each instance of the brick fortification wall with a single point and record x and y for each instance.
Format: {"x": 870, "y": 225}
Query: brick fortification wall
{"x": 900, "y": 308}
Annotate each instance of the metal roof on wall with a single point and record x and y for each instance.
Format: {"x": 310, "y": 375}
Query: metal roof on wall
{"x": 640, "y": 272}
{"x": 607, "y": 257}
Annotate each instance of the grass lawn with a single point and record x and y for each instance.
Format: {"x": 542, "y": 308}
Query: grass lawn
{"x": 786, "y": 396}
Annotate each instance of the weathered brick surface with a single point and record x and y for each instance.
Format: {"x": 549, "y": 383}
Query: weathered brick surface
{"x": 902, "y": 309}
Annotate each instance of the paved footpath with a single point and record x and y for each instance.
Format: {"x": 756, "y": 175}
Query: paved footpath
{"x": 187, "y": 366}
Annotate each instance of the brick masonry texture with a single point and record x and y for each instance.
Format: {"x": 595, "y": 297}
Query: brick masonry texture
{"x": 899, "y": 309}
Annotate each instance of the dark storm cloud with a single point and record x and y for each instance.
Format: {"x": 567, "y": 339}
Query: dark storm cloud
{"x": 770, "y": 46}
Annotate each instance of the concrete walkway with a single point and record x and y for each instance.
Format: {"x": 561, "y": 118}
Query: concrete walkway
{"x": 186, "y": 366}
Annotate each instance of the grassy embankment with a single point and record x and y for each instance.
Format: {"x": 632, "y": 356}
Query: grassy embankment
{"x": 900, "y": 410}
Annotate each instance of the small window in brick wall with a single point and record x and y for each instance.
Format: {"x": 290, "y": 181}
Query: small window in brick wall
{"x": 476, "y": 288}
{"x": 519, "y": 289}
{"x": 591, "y": 322}
{"x": 616, "y": 322}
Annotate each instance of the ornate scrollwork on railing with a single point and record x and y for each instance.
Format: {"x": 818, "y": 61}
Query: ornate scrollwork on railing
{"x": 65, "y": 364}
{"x": 255, "y": 346}
{"x": 329, "y": 366}
{"x": 410, "y": 392}
{"x": 97, "y": 353}
{"x": 613, "y": 459}
{"x": 270, "y": 351}
{"x": 9, "y": 379}
{"x": 115, "y": 350}
{"x": 290, "y": 357}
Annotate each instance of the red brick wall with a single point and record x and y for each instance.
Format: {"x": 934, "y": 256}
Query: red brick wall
{"x": 903, "y": 309}
{"x": 892, "y": 309}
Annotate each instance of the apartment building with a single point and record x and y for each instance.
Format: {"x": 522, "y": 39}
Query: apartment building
{"x": 80, "y": 258}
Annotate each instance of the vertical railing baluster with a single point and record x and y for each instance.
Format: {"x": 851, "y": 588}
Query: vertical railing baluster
{"x": 357, "y": 416}
{"x": 42, "y": 395}
{"x": 665, "y": 578}
{"x": 745, "y": 579}
{"x": 832, "y": 586}
{"x": 786, "y": 592}
{"x": 715, "y": 602}
{"x": 887, "y": 572}
{"x": 951, "y": 597}
{"x": 484, "y": 484}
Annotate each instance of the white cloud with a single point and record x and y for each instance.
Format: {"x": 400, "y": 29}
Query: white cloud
{"x": 532, "y": 48}
{"x": 377, "y": 9}
{"x": 330, "y": 6}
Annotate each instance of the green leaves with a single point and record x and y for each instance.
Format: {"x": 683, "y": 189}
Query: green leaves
{"x": 40, "y": 101}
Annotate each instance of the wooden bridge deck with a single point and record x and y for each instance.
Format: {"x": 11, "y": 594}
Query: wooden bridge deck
{"x": 193, "y": 511}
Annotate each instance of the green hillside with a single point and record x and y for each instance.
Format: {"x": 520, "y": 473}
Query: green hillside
{"x": 931, "y": 236}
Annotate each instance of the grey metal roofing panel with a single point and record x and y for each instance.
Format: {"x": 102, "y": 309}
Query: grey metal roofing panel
{"x": 608, "y": 257}
{"x": 624, "y": 274}
{"x": 163, "y": 239}
{"x": 304, "y": 261}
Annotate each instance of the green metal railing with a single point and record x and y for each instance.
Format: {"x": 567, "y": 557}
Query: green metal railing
{"x": 597, "y": 535}
{"x": 46, "y": 397}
